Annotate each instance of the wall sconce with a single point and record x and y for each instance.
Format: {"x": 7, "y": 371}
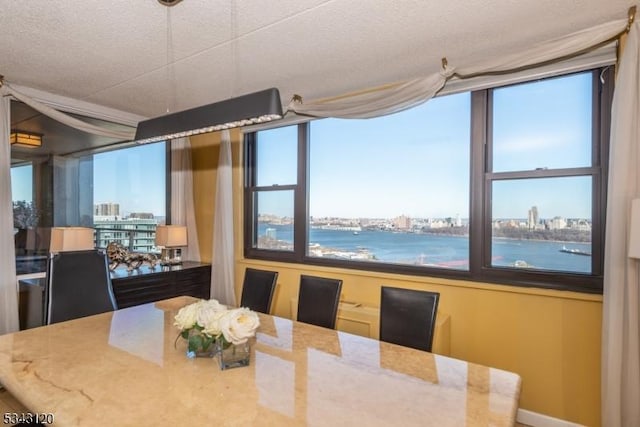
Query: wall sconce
{"x": 170, "y": 238}
{"x": 65, "y": 239}
{"x": 257, "y": 107}
{"x": 634, "y": 230}
{"x": 24, "y": 139}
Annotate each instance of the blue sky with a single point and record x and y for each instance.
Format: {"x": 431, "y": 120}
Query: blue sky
{"x": 416, "y": 162}
{"x": 134, "y": 178}
{"x": 21, "y": 183}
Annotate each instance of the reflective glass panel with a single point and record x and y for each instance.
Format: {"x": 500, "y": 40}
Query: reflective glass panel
{"x": 543, "y": 125}
{"x": 542, "y": 224}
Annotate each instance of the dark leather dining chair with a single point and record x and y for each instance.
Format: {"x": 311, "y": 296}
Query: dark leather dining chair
{"x": 318, "y": 300}
{"x": 78, "y": 285}
{"x": 408, "y": 317}
{"x": 257, "y": 289}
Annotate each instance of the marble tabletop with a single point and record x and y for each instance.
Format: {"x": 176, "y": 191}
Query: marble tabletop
{"x": 125, "y": 368}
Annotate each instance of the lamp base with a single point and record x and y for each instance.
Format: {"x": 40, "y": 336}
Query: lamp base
{"x": 171, "y": 256}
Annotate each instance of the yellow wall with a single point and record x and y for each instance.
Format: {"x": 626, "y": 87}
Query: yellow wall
{"x": 550, "y": 338}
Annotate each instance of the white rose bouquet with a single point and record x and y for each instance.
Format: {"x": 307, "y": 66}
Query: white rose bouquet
{"x": 205, "y": 322}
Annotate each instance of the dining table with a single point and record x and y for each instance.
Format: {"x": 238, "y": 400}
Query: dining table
{"x": 129, "y": 367}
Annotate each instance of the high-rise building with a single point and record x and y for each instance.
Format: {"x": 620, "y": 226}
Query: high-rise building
{"x": 533, "y": 218}
{"x": 106, "y": 209}
{"x": 402, "y": 222}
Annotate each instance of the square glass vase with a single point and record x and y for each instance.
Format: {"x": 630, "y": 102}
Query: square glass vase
{"x": 233, "y": 356}
{"x": 199, "y": 345}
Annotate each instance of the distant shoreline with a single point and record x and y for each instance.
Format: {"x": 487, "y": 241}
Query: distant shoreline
{"x": 432, "y": 233}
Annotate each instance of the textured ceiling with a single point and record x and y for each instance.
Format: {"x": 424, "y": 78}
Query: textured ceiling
{"x": 115, "y": 53}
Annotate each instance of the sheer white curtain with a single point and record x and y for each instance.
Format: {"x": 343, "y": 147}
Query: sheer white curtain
{"x": 8, "y": 290}
{"x": 620, "y": 320}
{"x": 68, "y": 120}
{"x": 182, "y": 209}
{"x": 222, "y": 274}
{"x": 401, "y": 96}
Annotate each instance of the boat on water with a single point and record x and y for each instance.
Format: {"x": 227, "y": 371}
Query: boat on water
{"x": 574, "y": 251}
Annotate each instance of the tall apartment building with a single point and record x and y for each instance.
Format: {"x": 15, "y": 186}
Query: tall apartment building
{"x": 533, "y": 218}
{"x": 402, "y": 222}
{"x": 106, "y": 209}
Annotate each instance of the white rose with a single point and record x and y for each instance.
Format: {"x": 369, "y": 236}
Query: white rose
{"x": 210, "y": 321}
{"x": 213, "y": 305}
{"x": 239, "y": 325}
{"x": 187, "y": 316}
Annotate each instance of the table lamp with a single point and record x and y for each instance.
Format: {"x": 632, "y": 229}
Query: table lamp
{"x": 65, "y": 239}
{"x": 170, "y": 238}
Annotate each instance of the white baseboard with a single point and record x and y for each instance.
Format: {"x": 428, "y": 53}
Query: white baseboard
{"x": 535, "y": 419}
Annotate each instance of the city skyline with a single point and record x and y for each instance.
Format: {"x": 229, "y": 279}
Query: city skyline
{"x": 269, "y": 217}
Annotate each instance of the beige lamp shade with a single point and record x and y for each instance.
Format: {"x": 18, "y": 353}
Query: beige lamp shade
{"x": 64, "y": 239}
{"x": 171, "y": 236}
{"x": 634, "y": 232}
{"x": 25, "y": 139}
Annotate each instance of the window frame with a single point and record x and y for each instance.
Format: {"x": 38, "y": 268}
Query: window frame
{"x": 480, "y": 215}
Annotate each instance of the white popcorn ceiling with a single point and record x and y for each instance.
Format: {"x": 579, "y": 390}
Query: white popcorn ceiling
{"x": 114, "y": 53}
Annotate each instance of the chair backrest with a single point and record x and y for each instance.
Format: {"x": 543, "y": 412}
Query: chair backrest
{"x": 78, "y": 285}
{"x": 408, "y": 317}
{"x": 318, "y": 300}
{"x": 257, "y": 289}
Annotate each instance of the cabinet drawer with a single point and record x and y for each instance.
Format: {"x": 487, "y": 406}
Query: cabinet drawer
{"x": 147, "y": 285}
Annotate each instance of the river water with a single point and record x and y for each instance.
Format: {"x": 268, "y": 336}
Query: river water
{"x": 443, "y": 251}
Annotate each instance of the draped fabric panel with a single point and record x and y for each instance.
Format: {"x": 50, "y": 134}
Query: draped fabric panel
{"x": 222, "y": 274}
{"x": 182, "y": 206}
{"x": 68, "y": 120}
{"x": 401, "y": 96}
{"x": 620, "y": 319}
{"x": 8, "y": 288}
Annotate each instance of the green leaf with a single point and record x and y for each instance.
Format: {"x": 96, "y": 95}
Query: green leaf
{"x": 195, "y": 342}
{"x": 225, "y": 343}
{"x": 206, "y": 342}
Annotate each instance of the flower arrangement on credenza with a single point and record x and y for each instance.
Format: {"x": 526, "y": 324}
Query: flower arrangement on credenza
{"x": 210, "y": 329}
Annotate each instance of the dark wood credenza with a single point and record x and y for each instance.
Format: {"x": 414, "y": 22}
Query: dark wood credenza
{"x": 148, "y": 285}
{"x": 130, "y": 288}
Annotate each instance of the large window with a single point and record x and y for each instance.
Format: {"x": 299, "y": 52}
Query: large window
{"x": 499, "y": 185}
{"x": 121, "y": 193}
{"x": 393, "y": 189}
{"x": 129, "y": 196}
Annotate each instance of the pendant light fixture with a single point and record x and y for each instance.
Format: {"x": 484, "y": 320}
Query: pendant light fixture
{"x": 253, "y": 108}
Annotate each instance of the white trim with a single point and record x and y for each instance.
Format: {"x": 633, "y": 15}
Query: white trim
{"x": 38, "y": 275}
{"x": 535, "y": 419}
{"x": 76, "y": 106}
